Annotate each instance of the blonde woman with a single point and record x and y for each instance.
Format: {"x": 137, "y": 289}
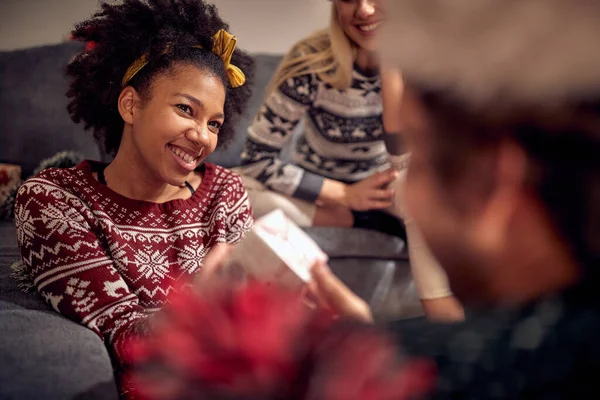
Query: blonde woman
{"x": 326, "y": 99}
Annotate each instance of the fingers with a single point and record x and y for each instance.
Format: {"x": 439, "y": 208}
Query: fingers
{"x": 382, "y": 194}
{"x": 212, "y": 262}
{"x": 379, "y": 205}
{"x": 334, "y": 294}
{"x": 214, "y": 259}
{"x": 383, "y": 178}
{"x": 314, "y": 296}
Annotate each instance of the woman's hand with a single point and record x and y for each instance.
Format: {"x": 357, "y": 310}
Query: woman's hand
{"x": 329, "y": 292}
{"x": 371, "y": 193}
{"x": 211, "y": 266}
{"x": 325, "y": 289}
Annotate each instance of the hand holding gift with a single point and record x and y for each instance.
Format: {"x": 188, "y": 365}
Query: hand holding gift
{"x": 278, "y": 252}
{"x": 275, "y": 251}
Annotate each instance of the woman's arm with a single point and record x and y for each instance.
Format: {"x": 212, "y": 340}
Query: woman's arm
{"x": 70, "y": 267}
{"x": 240, "y": 218}
{"x": 392, "y": 88}
{"x": 273, "y": 127}
{"x": 436, "y": 298}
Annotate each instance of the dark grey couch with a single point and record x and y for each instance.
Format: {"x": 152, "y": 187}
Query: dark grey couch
{"x": 43, "y": 355}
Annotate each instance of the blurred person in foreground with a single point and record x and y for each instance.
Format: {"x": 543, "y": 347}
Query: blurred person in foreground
{"x": 502, "y": 112}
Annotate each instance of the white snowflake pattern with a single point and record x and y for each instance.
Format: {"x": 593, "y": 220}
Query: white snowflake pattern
{"x": 62, "y": 221}
{"x": 24, "y": 223}
{"x": 152, "y": 264}
{"x": 190, "y": 257}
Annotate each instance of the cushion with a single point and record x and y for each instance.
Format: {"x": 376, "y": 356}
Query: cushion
{"x": 34, "y": 122}
{"x": 358, "y": 243}
{"x": 46, "y": 356}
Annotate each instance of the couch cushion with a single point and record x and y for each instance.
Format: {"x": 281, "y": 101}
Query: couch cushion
{"x": 34, "y": 122}
{"x": 229, "y": 156}
{"x": 358, "y": 243}
{"x": 46, "y": 356}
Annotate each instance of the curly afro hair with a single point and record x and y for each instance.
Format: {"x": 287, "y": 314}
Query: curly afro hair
{"x": 166, "y": 30}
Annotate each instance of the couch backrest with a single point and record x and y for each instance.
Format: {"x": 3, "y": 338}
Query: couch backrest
{"x": 35, "y": 124}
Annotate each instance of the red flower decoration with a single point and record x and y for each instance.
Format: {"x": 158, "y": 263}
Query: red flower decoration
{"x": 261, "y": 342}
{"x": 89, "y": 46}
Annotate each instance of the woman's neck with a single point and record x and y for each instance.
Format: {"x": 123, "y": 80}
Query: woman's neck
{"x": 367, "y": 60}
{"x": 129, "y": 176}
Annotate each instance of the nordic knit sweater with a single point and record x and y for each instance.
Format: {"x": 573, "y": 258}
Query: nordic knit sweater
{"x": 341, "y": 137}
{"x": 107, "y": 261}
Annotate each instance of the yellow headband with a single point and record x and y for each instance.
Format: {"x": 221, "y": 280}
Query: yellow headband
{"x": 223, "y": 46}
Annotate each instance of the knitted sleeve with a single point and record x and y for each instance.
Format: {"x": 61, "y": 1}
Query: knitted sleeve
{"x": 232, "y": 199}
{"x": 70, "y": 267}
{"x": 272, "y": 128}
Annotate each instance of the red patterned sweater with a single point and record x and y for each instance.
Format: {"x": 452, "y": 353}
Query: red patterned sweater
{"x": 107, "y": 261}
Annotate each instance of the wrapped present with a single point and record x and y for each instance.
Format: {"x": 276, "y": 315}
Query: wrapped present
{"x": 10, "y": 177}
{"x": 276, "y": 250}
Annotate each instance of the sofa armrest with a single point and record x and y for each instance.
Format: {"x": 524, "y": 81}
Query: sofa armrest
{"x": 45, "y": 356}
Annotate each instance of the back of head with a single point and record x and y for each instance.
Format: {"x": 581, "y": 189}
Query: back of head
{"x": 528, "y": 72}
{"x": 328, "y": 53}
{"x": 167, "y": 33}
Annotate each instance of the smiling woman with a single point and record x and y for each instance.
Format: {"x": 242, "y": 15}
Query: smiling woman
{"x": 169, "y": 132}
{"x": 161, "y": 88}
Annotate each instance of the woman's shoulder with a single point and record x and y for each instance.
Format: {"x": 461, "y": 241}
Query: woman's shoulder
{"x": 223, "y": 193}
{"x": 54, "y": 192}
{"x": 58, "y": 179}
{"x": 318, "y": 42}
{"x": 223, "y": 180}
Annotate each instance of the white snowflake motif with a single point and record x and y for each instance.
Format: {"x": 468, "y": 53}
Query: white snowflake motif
{"x": 24, "y": 223}
{"x": 152, "y": 264}
{"x": 61, "y": 222}
{"x": 190, "y": 257}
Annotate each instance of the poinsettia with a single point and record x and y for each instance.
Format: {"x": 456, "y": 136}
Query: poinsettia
{"x": 259, "y": 341}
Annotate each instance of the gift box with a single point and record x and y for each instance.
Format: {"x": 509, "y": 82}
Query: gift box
{"x": 10, "y": 177}
{"x": 276, "y": 251}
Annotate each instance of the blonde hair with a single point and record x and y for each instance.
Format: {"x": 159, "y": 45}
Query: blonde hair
{"x": 328, "y": 53}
